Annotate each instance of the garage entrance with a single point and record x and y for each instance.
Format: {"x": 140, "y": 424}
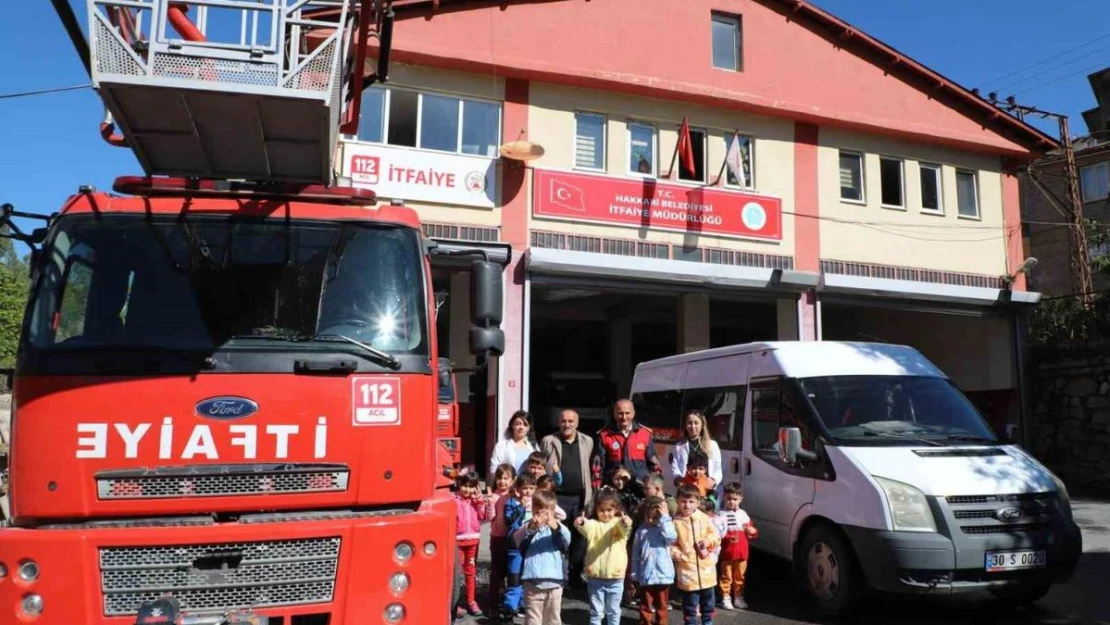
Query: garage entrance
{"x": 975, "y": 347}
{"x": 585, "y": 341}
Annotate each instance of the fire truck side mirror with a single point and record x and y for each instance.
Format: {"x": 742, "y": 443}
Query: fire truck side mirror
{"x": 487, "y": 342}
{"x": 485, "y": 294}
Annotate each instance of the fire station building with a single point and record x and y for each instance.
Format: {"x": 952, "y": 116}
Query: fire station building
{"x": 871, "y": 198}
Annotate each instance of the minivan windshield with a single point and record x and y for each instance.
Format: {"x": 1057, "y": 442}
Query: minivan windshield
{"x": 879, "y": 410}
{"x": 165, "y": 285}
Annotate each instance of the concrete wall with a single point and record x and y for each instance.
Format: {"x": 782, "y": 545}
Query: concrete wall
{"x": 910, "y": 237}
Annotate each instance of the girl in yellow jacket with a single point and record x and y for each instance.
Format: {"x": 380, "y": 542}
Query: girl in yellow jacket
{"x": 606, "y": 555}
{"x": 694, "y": 564}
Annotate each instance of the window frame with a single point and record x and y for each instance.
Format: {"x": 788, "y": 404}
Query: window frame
{"x": 604, "y": 142}
{"x": 939, "y": 169}
{"x": 1105, "y": 166}
{"x": 654, "y": 149}
{"x": 704, "y": 157}
{"x": 726, "y": 137}
{"x": 901, "y": 182}
{"x": 387, "y": 110}
{"x": 736, "y": 443}
{"x": 978, "y": 216}
{"x": 862, "y": 176}
{"x": 737, "y": 24}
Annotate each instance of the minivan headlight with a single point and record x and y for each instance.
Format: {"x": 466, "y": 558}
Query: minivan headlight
{"x": 909, "y": 509}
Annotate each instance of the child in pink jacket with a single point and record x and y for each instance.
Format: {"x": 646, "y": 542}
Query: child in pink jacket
{"x": 471, "y": 510}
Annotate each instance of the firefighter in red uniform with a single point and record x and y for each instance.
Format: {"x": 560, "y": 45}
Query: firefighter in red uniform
{"x": 624, "y": 442}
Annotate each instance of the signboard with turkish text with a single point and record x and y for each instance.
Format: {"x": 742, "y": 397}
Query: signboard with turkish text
{"x": 421, "y": 175}
{"x": 658, "y": 205}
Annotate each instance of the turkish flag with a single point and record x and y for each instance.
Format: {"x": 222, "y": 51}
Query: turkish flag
{"x": 686, "y": 147}
{"x": 568, "y": 196}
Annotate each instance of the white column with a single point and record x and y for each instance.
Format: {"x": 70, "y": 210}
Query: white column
{"x": 787, "y": 309}
{"x": 693, "y": 322}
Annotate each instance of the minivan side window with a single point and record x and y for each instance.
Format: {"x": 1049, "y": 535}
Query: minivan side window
{"x": 662, "y": 412}
{"x": 776, "y": 404}
{"x": 723, "y": 408}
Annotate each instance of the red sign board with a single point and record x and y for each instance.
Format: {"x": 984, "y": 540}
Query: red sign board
{"x": 376, "y": 400}
{"x": 653, "y": 204}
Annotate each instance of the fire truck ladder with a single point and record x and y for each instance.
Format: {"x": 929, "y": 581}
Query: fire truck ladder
{"x": 231, "y": 89}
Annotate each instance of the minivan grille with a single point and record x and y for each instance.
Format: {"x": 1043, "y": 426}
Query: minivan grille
{"x": 220, "y": 576}
{"x": 1001, "y": 514}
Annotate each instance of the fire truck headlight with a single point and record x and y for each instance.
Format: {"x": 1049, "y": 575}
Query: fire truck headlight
{"x": 31, "y": 605}
{"x": 399, "y": 582}
{"x": 403, "y": 552}
{"x": 394, "y": 613}
{"x": 429, "y": 549}
{"x": 28, "y": 570}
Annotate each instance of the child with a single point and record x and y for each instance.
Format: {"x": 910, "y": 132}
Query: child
{"x": 606, "y": 555}
{"x": 697, "y": 475}
{"x": 547, "y": 483}
{"x": 471, "y": 510}
{"x": 653, "y": 487}
{"x": 503, "y": 479}
{"x": 543, "y": 541}
{"x": 536, "y": 466}
{"x": 695, "y": 573}
{"x": 652, "y": 568}
{"x": 736, "y": 529}
{"x": 518, "y": 510}
{"x": 629, "y": 491}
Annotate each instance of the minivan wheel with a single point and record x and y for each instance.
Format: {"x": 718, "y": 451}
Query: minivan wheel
{"x": 828, "y": 570}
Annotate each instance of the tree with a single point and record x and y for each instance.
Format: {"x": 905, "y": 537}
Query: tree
{"x": 14, "y": 284}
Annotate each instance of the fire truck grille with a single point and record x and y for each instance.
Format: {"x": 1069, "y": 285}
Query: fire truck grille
{"x": 213, "y": 485}
{"x": 218, "y": 577}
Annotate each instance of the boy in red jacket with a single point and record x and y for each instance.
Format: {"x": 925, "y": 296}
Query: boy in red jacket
{"x": 735, "y": 529}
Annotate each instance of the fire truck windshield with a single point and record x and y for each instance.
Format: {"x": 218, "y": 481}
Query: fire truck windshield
{"x": 169, "y": 287}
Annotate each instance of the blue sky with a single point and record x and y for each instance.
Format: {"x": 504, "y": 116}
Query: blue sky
{"x": 52, "y": 144}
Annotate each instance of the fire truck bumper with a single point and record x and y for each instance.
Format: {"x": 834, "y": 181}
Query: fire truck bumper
{"x": 313, "y": 568}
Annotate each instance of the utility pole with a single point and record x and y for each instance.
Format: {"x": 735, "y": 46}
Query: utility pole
{"x": 1072, "y": 206}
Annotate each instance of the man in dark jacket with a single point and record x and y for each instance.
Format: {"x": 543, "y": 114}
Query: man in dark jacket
{"x": 624, "y": 443}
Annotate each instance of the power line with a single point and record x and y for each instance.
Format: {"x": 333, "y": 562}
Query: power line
{"x": 24, "y": 94}
{"x": 1012, "y": 84}
{"x": 1045, "y": 60}
{"x": 1053, "y": 82}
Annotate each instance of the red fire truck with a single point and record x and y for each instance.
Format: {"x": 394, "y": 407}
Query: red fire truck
{"x": 225, "y": 395}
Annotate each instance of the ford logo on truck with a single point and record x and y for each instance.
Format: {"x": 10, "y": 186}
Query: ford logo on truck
{"x": 226, "y": 408}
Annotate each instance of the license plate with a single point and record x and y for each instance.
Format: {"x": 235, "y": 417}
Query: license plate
{"x": 1014, "y": 560}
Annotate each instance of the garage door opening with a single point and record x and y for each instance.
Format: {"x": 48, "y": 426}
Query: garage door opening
{"x": 585, "y": 342}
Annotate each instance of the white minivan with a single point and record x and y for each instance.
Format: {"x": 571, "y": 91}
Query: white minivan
{"x": 864, "y": 466}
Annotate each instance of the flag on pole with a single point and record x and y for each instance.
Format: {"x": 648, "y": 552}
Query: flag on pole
{"x": 686, "y": 147}
{"x": 734, "y": 159}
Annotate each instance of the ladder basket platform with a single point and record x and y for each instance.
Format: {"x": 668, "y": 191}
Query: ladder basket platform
{"x": 225, "y": 89}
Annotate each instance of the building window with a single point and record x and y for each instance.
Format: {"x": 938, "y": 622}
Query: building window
{"x": 589, "y": 141}
{"x": 727, "y": 42}
{"x": 1094, "y": 180}
{"x": 481, "y": 128}
{"x": 641, "y": 149}
{"x": 967, "y": 194}
{"x": 371, "y": 119}
{"x": 432, "y": 122}
{"x": 890, "y": 179}
{"x": 930, "y": 188}
{"x": 851, "y": 176}
{"x": 744, "y": 148}
{"x": 697, "y": 145}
